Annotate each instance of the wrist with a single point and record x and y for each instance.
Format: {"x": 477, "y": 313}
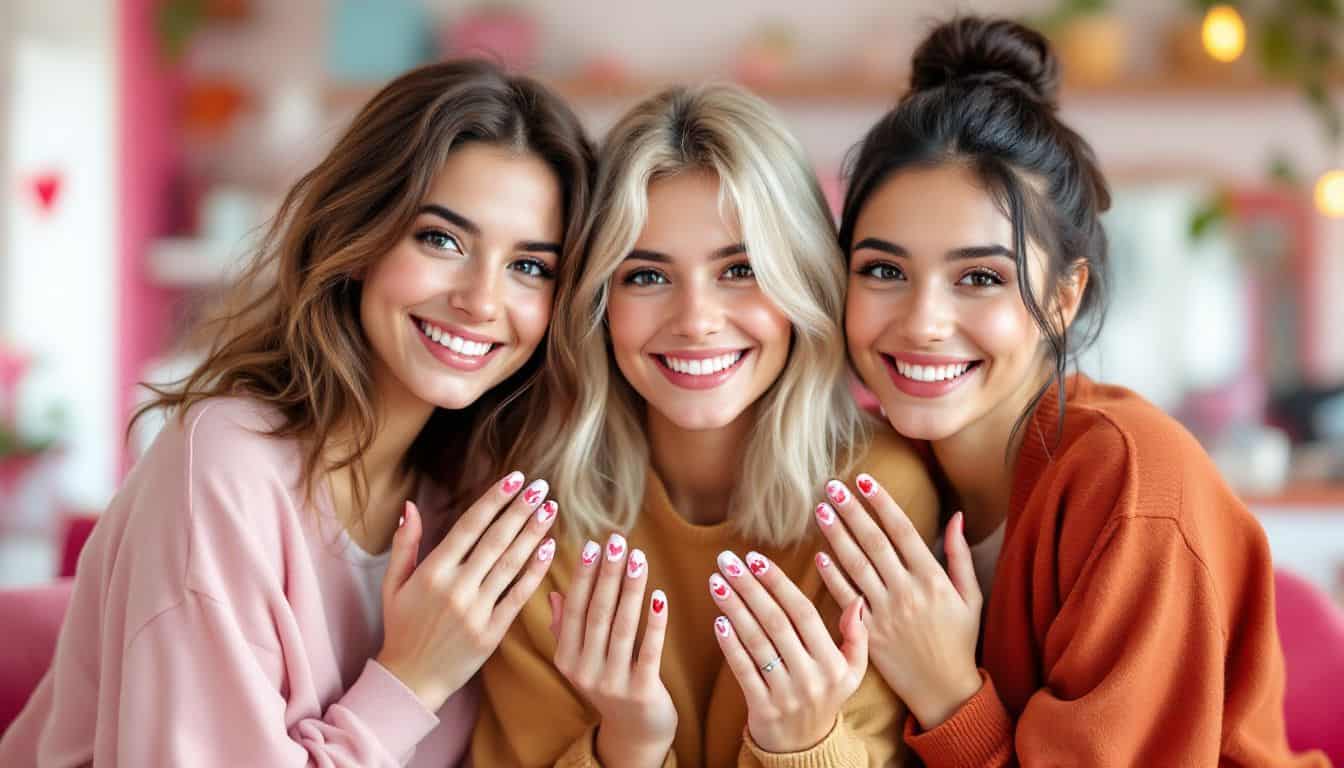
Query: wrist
{"x": 933, "y": 711}
{"x": 786, "y": 742}
{"x": 618, "y": 749}
{"x": 431, "y": 696}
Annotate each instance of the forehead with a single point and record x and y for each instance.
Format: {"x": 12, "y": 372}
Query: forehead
{"x": 932, "y": 210}
{"x": 685, "y": 216}
{"x": 500, "y": 188}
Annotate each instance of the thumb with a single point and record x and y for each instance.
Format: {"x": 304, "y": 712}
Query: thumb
{"x": 557, "y": 611}
{"x": 960, "y": 564}
{"x": 405, "y": 548}
{"x": 854, "y": 636}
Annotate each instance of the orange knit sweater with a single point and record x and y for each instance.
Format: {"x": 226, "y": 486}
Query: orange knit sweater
{"x": 1132, "y": 616}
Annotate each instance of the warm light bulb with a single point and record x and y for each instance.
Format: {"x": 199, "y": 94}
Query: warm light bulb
{"x": 1224, "y": 33}
{"x": 1330, "y": 193}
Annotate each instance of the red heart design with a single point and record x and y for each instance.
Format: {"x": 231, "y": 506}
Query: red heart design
{"x": 47, "y": 186}
{"x": 614, "y": 550}
{"x": 512, "y": 485}
{"x": 757, "y": 566}
{"x": 658, "y": 605}
{"x": 589, "y": 559}
{"x": 721, "y": 590}
{"x": 865, "y": 485}
{"x": 532, "y": 496}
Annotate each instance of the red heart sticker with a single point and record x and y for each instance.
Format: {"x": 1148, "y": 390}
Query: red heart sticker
{"x": 46, "y": 187}
{"x": 865, "y": 485}
{"x": 721, "y": 590}
{"x": 658, "y": 605}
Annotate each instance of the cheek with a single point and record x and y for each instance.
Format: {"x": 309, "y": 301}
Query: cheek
{"x": 401, "y": 278}
{"x": 530, "y": 314}
{"x": 764, "y": 322}
{"x": 1003, "y": 328}
{"x": 631, "y": 324}
{"x": 865, "y": 318}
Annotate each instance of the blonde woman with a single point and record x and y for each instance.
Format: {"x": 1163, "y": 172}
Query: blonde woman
{"x": 698, "y": 402}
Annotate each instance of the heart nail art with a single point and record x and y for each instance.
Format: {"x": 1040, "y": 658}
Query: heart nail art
{"x": 635, "y": 565}
{"x": 547, "y": 511}
{"x": 758, "y": 564}
{"x": 718, "y": 587}
{"x": 591, "y": 551}
{"x": 823, "y": 560}
{"x": 658, "y": 602}
{"x": 825, "y": 515}
{"x": 546, "y": 551}
{"x": 866, "y": 484}
{"x": 730, "y": 564}
{"x": 615, "y": 547}
{"x": 512, "y": 483}
{"x": 535, "y": 493}
{"x": 722, "y": 627}
{"x": 836, "y": 490}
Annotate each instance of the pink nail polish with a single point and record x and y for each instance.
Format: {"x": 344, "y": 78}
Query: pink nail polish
{"x": 535, "y": 492}
{"x": 546, "y": 551}
{"x": 825, "y": 515}
{"x": 547, "y": 511}
{"x": 615, "y": 547}
{"x": 823, "y": 560}
{"x": 658, "y": 603}
{"x": 722, "y": 627}
{"x": 718, "y": 587}
{"x": 758, "y": 564}
{"x": 836, "y": 491}
{"x": 866, "y": 484}
{"x": 512, "y": 483}
{"x": 731, "y": 565}
{"x": 591, "y": 551}
{"x": 636, "y": 564}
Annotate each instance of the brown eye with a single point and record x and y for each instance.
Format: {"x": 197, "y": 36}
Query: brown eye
{"x": 881, "y": 270}
{"x": 740, "y": 271}
{"x": 981, "y": 278}
{"x": 438, "y": 240}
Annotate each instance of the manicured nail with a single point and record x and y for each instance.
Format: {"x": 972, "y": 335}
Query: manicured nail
{"x": 722, "y": 627}
{"x": 825, "y": 515}
{"x": 961, "y": 523}
{"x": 718, "y": 587}
{"x": 757, "y": 563}
{"x": 401, "y": 521}
{"x": 615, "y": 547}
{"x": 591, "y": 551}
{"x": 658, "y": 603}
{"x": 536, "y": 492}
{"x": 866, "y": 484}
{"x": 731, "y": 565}
{"x": 635, "y": 565}
{"x": 512, "y": 483}
{"x": 547, "y": 511}
{"x": 836, "y": 490}
{"x": 546, "y": 551}
{"x": 823, "y": 560}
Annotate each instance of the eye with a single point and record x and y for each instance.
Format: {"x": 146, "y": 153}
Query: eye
{"x": 643, "y": 277}
{"x": 981, "y": 277}
{"x": 438, "y": 240}
{"x": 533, "y": 268}
{"x": 740, "y": 271}
{"x": 881, "y": 270}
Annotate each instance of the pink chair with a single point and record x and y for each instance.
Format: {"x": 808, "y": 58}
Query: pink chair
{"x": 33, "y": 616}
{"x": 1311, "y": 630}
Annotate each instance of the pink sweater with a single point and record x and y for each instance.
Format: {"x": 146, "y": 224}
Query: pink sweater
{"x": 217, "y": 619}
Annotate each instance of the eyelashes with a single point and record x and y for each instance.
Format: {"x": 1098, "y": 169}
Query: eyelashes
{"x": 646, "y": 276}
{"x": 444, "y": 242}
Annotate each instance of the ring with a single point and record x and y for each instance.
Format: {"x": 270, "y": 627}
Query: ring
{"x": 770, "y": 665}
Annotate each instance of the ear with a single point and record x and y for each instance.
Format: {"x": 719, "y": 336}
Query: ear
{"x": 1072, "y": 288}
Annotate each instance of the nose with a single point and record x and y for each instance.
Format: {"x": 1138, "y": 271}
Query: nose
{"x": 477, "y": 294}
{"x": 699, "y": 312}
{"x": 929, "y": 317}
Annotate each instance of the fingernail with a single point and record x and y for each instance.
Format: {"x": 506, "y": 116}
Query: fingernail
{"x": 547, "y": 511}
{"x": 635, "y": 565}
{"x": 825, "y": 515}
{"x": 615, "y": 547}
{"x": 658, "y": 603}
{"x": 512, "y": 483}
{"x": 861, "y": 608}
{"x": 961, "y": 523}
{"x": 730, "y": 564}
{"x": 718, "y": 587}
{"x": 536, "y": 492}
{"x": 823, "y": 560}
{"x": 546, "y": 551}
{"x": 866, "y": 484}
{"x": 836, "y": 491}
{"x": 401, "y": 521}
{"x": 722, "y": 627}
{"x": 591, "y": 551}
{"x": 757, "y": 563}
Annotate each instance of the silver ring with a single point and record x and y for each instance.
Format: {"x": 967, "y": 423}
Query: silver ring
{"x": 770, "y": 665}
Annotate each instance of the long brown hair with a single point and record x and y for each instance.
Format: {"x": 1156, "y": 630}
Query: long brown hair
{"x": 291, "y": 335}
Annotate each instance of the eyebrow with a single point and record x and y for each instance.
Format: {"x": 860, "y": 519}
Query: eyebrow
{"x": 967, "y": 252}
{"x": 662, "y": 258}
{"x": 457, "y": 219}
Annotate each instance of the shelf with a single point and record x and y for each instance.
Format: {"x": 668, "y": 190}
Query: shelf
{"x": 186, "y": 262}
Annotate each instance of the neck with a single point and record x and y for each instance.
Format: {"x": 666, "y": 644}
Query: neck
{"x": 699, "y": 468}
{"x": 980, "y": 460}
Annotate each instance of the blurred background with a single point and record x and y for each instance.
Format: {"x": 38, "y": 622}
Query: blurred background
{"x": 143, "y": 142}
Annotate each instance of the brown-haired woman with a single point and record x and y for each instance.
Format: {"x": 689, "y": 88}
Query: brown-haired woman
{"x": 252, "y": 596}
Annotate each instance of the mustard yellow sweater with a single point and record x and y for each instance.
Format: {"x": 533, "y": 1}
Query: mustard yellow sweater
{"x": 532, "y": 717}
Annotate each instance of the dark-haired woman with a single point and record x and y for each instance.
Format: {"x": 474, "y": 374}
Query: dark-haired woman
{"x": 252, "y": 597}
{"x": 1127, "y": 594}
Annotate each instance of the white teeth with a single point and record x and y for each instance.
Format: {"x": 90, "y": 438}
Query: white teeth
{"x": 702, "y": 367}
{"x": 456, "y": 343}
{"x": 931, "y": 372}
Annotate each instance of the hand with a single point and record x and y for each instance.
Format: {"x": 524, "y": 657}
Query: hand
{"x": 793, "y": 676}
{"x": 923, "y": 625}
{"x": 595, "y": 627}
{"x": 443, "y": 618}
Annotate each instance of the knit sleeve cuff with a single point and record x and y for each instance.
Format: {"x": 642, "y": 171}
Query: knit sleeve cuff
{"x": 840, "y": 749}
{"x": 979, "y": 733}
{"x": 583, "y": 753}
{"x": 389, "y": 709}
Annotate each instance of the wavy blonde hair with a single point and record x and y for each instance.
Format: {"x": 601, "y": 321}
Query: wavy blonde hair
{"x": 592, "y": 445}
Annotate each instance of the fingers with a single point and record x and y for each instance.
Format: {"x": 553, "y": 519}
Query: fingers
{"x": 960, "y": 564}
{"x": 649, "y": 663}
{"x": 854, "y": 636}
{"x": 848, "y": 555}
{"x": 501, "y": 533}
{"x": 506, "y": 568}
{"x": 835, "y": 581}
{"x": 869, "y": 536}
{"x": 507, "y": 609}
{"x": 742, "y": 664}
{"x": 405, "y": 546}
{"x": 757, "y": 643}
{"x": 576, "y": 603}
{"x": 472, "y": 524}
{"x": 900, "y": 531}
{"x": 557, "y": 601}
{"x": 802, "y": 614}
{"x": 625, "y": 625}
{"x": 602, "y": 604}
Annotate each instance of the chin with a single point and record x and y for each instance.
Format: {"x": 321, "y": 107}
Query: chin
{"x": 701, "y": 419}
{"x": 916, "y": 423}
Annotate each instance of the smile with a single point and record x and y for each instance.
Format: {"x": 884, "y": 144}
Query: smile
{"x": 455, "y": 349}
{"x": 927, "y": 377}
{"x": 700, "y": 370}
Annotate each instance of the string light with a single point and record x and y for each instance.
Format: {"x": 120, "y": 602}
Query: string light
{"x": 1224, "y": 33}
{"x": 1330, "y": 193}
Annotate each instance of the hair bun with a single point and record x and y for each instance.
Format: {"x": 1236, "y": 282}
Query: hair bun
{"x": 971, "y": 50}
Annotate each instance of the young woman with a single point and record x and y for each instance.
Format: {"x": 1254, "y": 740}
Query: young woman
{"x": 700, "y": 399}
{"x": 1131, "y": 617}
{"x": 231, "y": 607}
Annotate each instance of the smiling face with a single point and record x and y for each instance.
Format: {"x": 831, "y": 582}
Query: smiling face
{"x": 691, "y": 330}
{"x": 463, "y": 300}
{"x": 935, "y": 323}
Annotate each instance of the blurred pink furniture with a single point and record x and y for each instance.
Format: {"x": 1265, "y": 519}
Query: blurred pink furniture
{"x": 1311, "y": 630}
